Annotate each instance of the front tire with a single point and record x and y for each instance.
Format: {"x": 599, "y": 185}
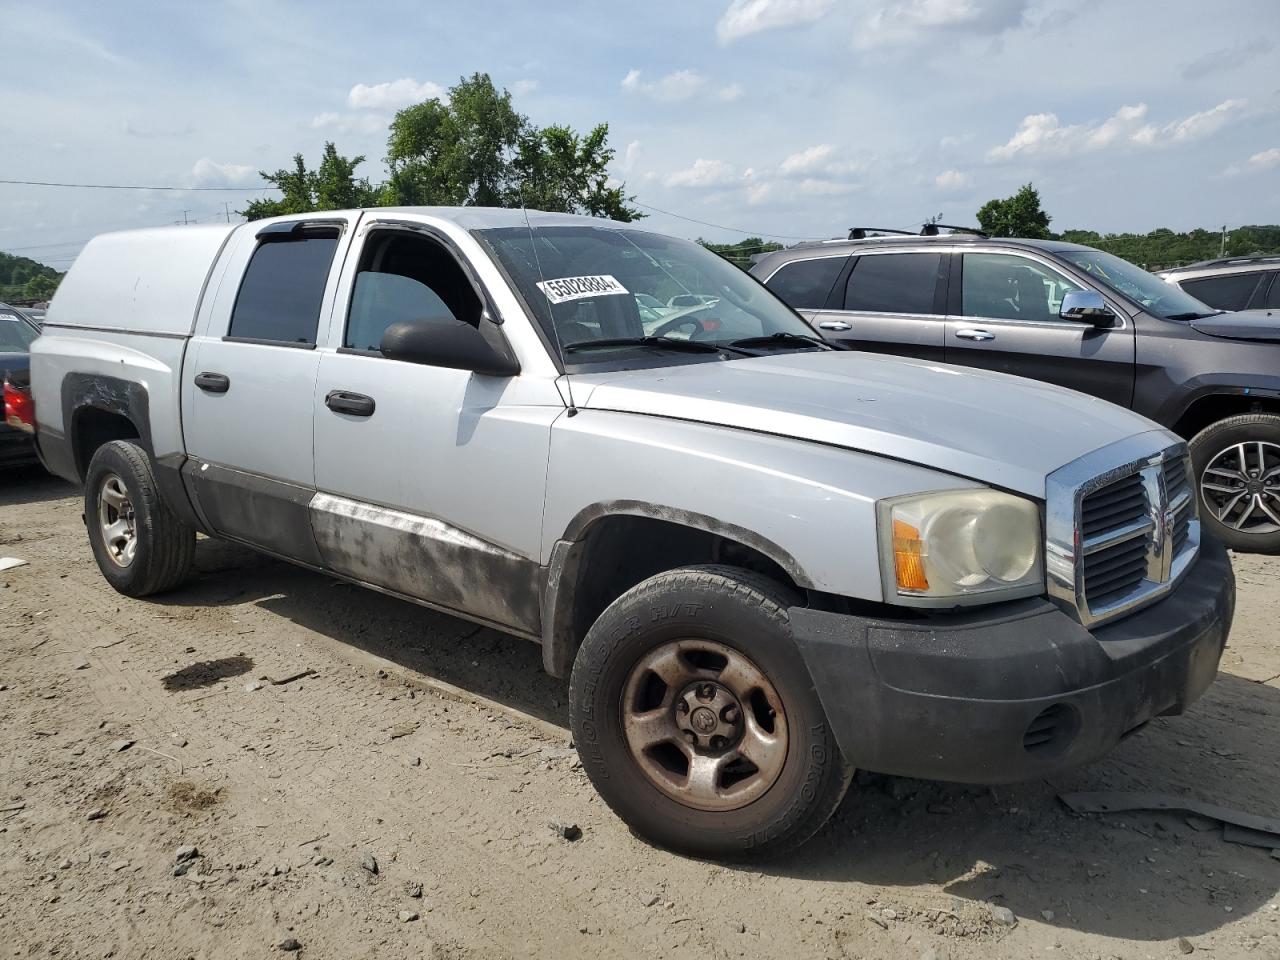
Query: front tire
{"x": 696, "y": 718}
{"x": 140, "y": 545}
{"x": 1237, "y": 470}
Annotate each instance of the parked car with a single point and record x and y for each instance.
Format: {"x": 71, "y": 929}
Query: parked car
{"x": 762, "y": 561}
{"x": 1231, "y": 283}
{"x": 17, "y": 333}
{"x": 1074, "y": 316}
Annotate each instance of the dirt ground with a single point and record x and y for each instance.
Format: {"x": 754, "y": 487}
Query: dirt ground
{"x": 441, "y": 752}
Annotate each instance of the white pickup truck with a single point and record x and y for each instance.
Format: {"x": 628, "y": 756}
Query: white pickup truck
{"x": 764, "y": 562}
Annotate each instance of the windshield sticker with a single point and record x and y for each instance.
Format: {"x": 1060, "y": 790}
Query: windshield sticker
{"x": 579, "y": 288}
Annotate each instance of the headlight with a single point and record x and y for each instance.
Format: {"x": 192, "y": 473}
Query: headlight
{"x": 960, "y": 546}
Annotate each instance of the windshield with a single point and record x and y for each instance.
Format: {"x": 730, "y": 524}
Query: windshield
{"x": 1165, "y": 300}
{"x": 616, "y": 285}
{"x": 16, "y": 335}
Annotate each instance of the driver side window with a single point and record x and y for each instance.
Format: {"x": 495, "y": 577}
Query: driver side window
{"x": 404, "y": 277}
{"x": 1006, "y": 287}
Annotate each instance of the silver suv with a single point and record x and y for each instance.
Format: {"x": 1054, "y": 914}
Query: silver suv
{"x": 761, "y": 561}
{"x": 1231, "y": 283}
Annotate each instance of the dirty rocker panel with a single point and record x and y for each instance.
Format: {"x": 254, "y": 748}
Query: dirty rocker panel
{"x": 427, "y": 558}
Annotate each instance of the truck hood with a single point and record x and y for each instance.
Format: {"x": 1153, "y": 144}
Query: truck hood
{"x": 997, "y": 429}
{"x": 1241, "y": 325}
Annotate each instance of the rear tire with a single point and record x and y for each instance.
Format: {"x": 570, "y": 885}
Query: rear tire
{"x": 697, "y": 667}
{"x": 1237, "y": 471}
{"x": 140, "y": 545}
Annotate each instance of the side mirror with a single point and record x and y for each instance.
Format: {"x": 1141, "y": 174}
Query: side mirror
{"x": 1087, "y": 306}
{"x": 446, "y": 342}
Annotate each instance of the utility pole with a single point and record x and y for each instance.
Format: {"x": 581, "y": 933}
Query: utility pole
{"x": 1222, "y": 250}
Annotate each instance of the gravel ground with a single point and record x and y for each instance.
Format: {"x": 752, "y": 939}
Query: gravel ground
{"x": 398, "y": 799}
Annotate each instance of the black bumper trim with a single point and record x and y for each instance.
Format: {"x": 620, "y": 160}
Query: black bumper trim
{"x": 950, "y": 697}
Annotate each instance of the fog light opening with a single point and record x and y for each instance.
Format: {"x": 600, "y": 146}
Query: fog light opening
{"x": 1052, "y": 732}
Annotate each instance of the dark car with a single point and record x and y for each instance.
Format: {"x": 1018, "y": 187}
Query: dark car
{"x": 1232, "y": 283}
{"x": 1075, "y": 316}
{"x": 16, "y": 335}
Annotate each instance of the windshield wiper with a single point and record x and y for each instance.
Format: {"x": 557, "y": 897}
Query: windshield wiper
{"x": 770, "y": 339}
{"x": 1189, "y": 316}
{"x": 665, "y": 343}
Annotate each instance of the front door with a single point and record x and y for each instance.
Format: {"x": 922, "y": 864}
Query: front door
{"x": 1004, "y": 316}
{"x": 430, "y": 479}
{"x": 249, "y": 380}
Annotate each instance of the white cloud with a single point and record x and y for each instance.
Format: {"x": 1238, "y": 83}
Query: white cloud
{"x": 745, "y": 17}
{"x": 1263, "y": 160}
{"x": 906, "y": 21}
{"x": 361, "y": 123}
{"x": 703, "y": 173}
{"x": 678, "y": 85}
{"x": 210, "y": 173}
{"x": 1128, "y": 126}
{"x": 1205, "y": 122}
{"x": 1228, "y": 58}
{"x": 392, "y": 95}
{"x": 818, "y": 161}
{"x": 952, "y": 181}
{"x": 630, "y": 156}
{"x": 524, "y": 86}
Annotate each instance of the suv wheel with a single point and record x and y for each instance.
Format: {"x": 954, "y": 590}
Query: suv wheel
{"x": 140, "y": 546}
{"x": 697, "y": 721}
{"x": 1237, "y": 467}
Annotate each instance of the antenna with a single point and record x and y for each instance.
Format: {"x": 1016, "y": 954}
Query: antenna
{"x": 551, "y": 307}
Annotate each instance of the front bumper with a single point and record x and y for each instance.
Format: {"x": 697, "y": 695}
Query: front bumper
{"x": 990, "y": 697}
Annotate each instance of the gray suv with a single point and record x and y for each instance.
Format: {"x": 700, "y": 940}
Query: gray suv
{"x": 1232, "y": 283}
{"x": 1074, "y": 316}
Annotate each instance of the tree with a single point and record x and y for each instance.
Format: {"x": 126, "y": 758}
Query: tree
{"x": 477, "y": 150}
{"x": 1016, "y": 216}
{"x": 331, "y": 186}
{"x": 559, "y": 171}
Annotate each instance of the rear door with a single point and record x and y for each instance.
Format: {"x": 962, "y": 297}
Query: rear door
{"x": 889, "y": 302}
{"x": 1005, "y": 317}
{"x": 249, "y": 379}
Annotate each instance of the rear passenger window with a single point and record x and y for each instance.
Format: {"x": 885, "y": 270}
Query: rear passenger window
{"x": 279, "y": 299}
{"x": 805, "y": 284}
{"x": 1273, "y": 295}
{"x": 1230, "y": 291}
{"x": 893, "y": 283}
{"x": 406, "y": 278}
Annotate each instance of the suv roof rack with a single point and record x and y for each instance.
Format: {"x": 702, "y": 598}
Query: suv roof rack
{"x": 931, "y": 230}
{"x": 860, "y": 233}
{"x": 1232, "y": 261}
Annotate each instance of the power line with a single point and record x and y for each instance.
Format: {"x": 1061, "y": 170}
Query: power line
{"x": 720, "y": 226}
{"x": 120, "y": 186}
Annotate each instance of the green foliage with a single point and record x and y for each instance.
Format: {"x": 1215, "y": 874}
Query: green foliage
{"x": 740, "y": 253}
{"x": 331, "y": 186}
{"x": 24, "y": 279}
{"x": 1163, "y": 248}
{"x": 557, "y": 170}
{"x": 1016, "y": 216}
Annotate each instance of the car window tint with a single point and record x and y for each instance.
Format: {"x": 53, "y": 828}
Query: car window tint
{"x": 805, "y": 284}
{"x": 1273, "y": 295}
{"x": 1230, "y": 291}
{"x": 893, "y": 283}
{"x": 15, "y": 334}
{"x": 1006, "y": 287}
{"x": 280, "y": 295}
{"x": 405, "y": 278}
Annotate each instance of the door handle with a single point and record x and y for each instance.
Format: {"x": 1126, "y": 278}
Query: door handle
{"x": 213, "y": 382}
{"x": 836, "y": 325}
{"x": 969, "y": 333}
{"x": 356, "y": 404}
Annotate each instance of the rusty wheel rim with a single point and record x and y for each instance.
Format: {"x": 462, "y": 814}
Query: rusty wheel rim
{"x": 704, "y": 724}
{"x": 117, "y": 521}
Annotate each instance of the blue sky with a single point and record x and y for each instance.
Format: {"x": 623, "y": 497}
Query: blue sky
{"x": 788, "y": 118}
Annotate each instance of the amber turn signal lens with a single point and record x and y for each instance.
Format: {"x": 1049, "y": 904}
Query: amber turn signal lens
{"x": 908, "y": 557}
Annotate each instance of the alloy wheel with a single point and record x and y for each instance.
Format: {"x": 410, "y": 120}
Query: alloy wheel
{"x": 1240, "y": 486}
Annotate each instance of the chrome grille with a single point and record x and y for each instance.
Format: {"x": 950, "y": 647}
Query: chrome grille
{"x": 1120, "y": 534}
